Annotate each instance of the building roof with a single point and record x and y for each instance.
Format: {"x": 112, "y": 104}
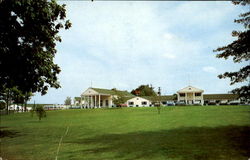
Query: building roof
{"x": 189, "y": 89}
{"x": 113, "y": 92}
{"x": 220, "y": 96}
{"x": 160, "y": 98}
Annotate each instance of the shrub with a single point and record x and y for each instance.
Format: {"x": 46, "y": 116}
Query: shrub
{"x": 40, "y": 112}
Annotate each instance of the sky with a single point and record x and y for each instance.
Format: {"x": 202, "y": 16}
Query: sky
{"x": 124, "y": 44}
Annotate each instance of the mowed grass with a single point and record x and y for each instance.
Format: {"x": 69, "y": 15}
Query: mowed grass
{"x": 178, "y": 133}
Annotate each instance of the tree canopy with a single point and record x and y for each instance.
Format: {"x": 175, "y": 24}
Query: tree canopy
{"x": 28, "y": 35}
{"x": 239, "y": 50}
{"x": 144, "y": 90}
{"x": 67, "y": 101}
{"x": 119, "y": 101}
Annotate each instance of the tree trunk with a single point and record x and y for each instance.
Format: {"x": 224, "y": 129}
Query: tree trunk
{"x": 8, "y": 94}
{"x": 25, "y": 106}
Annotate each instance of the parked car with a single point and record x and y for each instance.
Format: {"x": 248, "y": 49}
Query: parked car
{"x": 235, "y": 102}
{"x": 122, "y": 105}
{"x": 75, "y": 107}
{"x": 170, "y": 103}
{"x": 212, "y": 102}
{"x": 180, "y": 103}
{"x": 223, "y": 102}
{"x": 197, "y": 103}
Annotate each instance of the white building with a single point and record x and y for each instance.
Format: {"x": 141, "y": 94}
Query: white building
{"x": 100, "y": 98}
{"x": 190, "y": 95}
{"x": 138, "y": 102}
{"x": 18, "y": 108}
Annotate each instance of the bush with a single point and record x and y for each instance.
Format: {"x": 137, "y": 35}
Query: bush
{"x": 40, "y": 112}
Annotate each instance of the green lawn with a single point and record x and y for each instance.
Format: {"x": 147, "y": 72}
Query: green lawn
{"x": 178, "y": 133}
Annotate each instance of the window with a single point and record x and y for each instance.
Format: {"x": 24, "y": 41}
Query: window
{"x": 197, "y": 94}
{"x": 137, "y": 98}
{"x": 107, "y": 102}
{"x": 164, "y": 102}
{"x": 130, "y": 103}
{"x": 182, "y": 94}
{"x": 144, "y": 103}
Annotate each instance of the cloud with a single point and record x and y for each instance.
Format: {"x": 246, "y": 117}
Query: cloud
{"x": 169, "y": 56}
{"x": 126, "y": 44}
{"x": 209, "y": 69}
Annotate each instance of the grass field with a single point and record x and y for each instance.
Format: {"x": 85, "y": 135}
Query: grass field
{"x": 178, "y": 133}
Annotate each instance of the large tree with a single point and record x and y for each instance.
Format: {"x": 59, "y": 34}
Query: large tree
{"x": 144, "y": 90}
{"x": 28, "y": 35}
{"x": 239, "y": 50}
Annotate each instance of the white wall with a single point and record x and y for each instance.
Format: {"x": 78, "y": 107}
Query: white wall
{"x": 137, "y": 101}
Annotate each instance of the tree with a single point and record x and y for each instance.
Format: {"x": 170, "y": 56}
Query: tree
{"x": 40, "y": 112}
{"x": 32, "y": 111}
{"x": 239, "y": 50}
{"x": 118, "y": 101}
{"x": 144, "y": 90}
{"x": 67, "y": 101}
{"x": 175, "y": 97}
{"x": 28, "y": 35}
{"x": 17, "y": 96}
{"x": 2, "y": 104}
{"x": 27, "y": 97}
{"x": 14, "y": 95}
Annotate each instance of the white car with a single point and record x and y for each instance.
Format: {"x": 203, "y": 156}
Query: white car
{"x": 235, "y": 102}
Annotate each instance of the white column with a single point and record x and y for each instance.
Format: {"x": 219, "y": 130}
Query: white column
{"x": 81, "y": 102}
{"x": 111, "y": 102}
{"x": 186, "y": 98}
{"x": 84, "y": 101}
{"x": 88, "y": 102}
{"x": 193, "y": 97}
{"x": 95, "y": 102}
{"x": 84, "y": 105}
{"x": 99, "y": 104}
{"x": 202, "y": 101}
{"x": 91, "y": 101}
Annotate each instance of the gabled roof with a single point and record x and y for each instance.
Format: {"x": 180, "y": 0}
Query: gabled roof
{"x": 112, "y": 92}
{"x": 128, "y": 98}
{"x": 220, "y": 96}
{"x": 190, "y": 89}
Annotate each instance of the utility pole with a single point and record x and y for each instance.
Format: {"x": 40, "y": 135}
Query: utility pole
{"x": 159, "y": 91}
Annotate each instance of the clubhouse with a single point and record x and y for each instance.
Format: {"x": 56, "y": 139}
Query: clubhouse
{"x": 103, "y": 98}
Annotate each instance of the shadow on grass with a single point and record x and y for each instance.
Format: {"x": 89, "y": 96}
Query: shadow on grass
{"x": 4, "y": 132}
{"x": 192, "y": 143}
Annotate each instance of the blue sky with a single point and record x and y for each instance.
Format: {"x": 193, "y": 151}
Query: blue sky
{"x": 125, "y": 44}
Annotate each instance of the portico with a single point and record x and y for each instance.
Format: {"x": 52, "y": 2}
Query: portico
{"x": 100, "y": 98}
{"x": 190, "y": 95}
